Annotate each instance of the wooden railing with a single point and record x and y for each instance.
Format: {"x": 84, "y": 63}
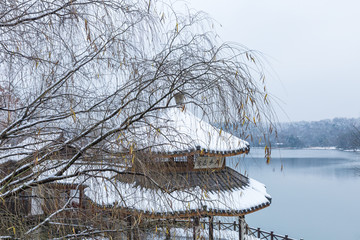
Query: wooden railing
{"x": 222, "y": 226}
{"x": 258, "y": 233}
{"x": 212, "y": 229}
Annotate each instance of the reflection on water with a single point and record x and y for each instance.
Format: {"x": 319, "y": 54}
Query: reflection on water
{"x": 316, "y": 193}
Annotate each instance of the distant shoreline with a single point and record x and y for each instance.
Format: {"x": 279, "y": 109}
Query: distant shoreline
{"x": 311, "y": 148}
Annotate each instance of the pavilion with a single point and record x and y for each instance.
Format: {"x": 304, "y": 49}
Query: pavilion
{"x": 179, "y": 173}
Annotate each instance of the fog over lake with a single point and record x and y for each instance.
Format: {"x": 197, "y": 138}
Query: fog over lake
{"x": 315, "y": 196}
{"x": 311, "y": 51}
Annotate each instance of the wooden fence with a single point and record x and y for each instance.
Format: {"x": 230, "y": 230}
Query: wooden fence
{"x": 222, "y": 227}
{"x": 256, "y": 232}
{"x": 168, "y": 229}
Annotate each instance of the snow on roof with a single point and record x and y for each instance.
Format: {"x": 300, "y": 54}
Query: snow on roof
{"x": 105, "y": 189}
{"x": 177, "y": 130}
{"x": 159, "y": 201}
{"x": 26, "y": 147}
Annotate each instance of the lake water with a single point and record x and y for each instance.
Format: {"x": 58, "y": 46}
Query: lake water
{"x": 315, "y": 196}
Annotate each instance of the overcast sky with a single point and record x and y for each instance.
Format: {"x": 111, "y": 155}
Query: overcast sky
{"x": 313, "y": 46}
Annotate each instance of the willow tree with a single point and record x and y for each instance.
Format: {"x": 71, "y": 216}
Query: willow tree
{"x": 88, "y": 71}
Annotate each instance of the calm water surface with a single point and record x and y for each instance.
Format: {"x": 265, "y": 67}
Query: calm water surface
{"x": 315, "y": 196}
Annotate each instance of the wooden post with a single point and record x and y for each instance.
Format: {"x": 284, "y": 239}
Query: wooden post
{"x": 241, "y": 228}
{"x": 167, "y": 235}
{"x": 286, "y": 237}
{"x": 272, "y": 235}
{"x": 129, "y": 223}
{"x": 258, "y": 232}
{"x": 196, "y": 222}
{"x": 136, "y": 231}
{"x": 136, "y": 234}
{"x": 211, "y": 228}
{"x": 132, "y": 233}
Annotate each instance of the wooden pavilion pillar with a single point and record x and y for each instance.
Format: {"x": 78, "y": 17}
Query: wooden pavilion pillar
{"x": 196, "y": 224}
{"x": 136, "y": 234}
{"x": 167, "y": 234}
{"x": 211, "y": 228}
{"x": 133, "y": 231}
{"x": 129, "y": 226}
{"x": 241, "y": 227}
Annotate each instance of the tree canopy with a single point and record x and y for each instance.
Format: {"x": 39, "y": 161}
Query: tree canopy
{"x": 92, "y": 71}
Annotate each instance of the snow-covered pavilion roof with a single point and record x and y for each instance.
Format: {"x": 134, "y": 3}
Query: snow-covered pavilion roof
{"x": 225, "y": 192}
{"x": 177, "y": 131}
{"x": 219, "y": 192}
{"x": 26, "y": 147}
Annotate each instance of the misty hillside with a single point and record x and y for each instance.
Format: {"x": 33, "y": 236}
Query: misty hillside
{"x": 341, "y": 133}
{"x": 338, "y": 132}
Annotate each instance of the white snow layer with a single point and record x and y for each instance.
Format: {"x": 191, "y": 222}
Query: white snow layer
{"x": 179, "y": 130}
{"x": 26, "y": 147}
{"x": 104, "y": 189}
{"x": 106, "y": 192}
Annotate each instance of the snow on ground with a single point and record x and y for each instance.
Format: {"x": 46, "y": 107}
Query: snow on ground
{"x": 321, "y": 148}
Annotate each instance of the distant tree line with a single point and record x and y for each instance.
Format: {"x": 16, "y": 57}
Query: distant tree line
{"x": 342, "y": 133}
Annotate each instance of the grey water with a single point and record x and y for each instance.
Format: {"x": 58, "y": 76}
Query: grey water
{"x": 315, "y": 193}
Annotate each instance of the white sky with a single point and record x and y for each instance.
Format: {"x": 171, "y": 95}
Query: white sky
{"x": 313, "y": 46}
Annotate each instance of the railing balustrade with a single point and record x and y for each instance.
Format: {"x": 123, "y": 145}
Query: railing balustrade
{"x": 223, "y": 226}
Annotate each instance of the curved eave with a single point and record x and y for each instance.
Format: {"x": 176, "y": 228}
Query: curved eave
{"x": 189, "y": 213}
{"x": 203, "y": 151}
